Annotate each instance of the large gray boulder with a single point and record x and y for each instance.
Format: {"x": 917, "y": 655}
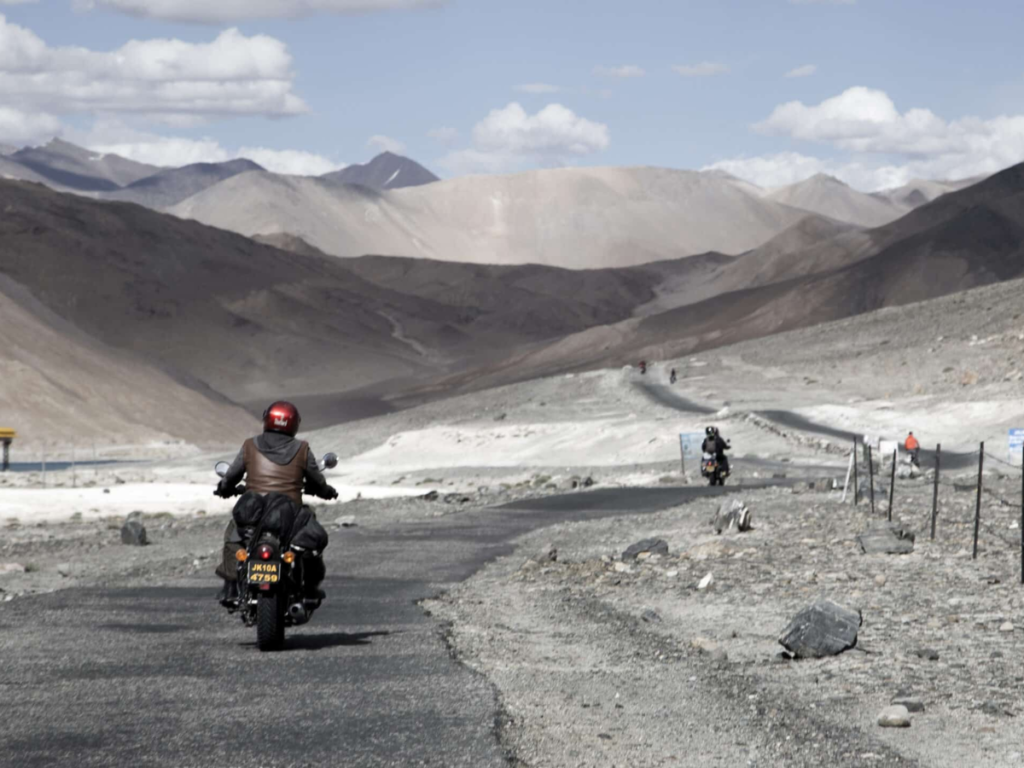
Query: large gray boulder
{"x": 651, "y": 546}
{"x": 891, "y": 539}
{"x": 732, "y": 516}
{"x": 823, "y": 629}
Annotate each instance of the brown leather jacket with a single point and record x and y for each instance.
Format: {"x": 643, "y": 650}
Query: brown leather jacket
{"x": 264, "y": 476}
{"x": 276, "y": 463}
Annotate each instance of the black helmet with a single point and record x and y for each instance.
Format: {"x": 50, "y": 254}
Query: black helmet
{"x": 710, "y": 431}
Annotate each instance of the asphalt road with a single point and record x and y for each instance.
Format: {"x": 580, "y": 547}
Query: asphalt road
{"x": 664, "y": 395}
{"x": 161, "y": 676}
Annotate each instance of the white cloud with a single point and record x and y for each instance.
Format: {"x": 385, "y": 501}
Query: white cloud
{"x": 623, "y": 72}
{"x": 865, "y": 120}
{"x": 117, "y": 138}
{"x": 231, "y": 75}
{"x": 790, "y": 167}
{"x": 704, "y": 69}
{"x": 445, "y": 135}
{"x": 19, "y": 127}
{"x": 386, "y": 144}
{"x": 805, "y": 71}
{"x": 220, "y": 11}
{"x": 510, "y": 138}
{"x": 882, "y": 146}
{"x": 537, "y": 88}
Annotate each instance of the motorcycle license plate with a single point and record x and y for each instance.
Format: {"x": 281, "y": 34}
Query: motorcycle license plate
{"x": 264, "y": 572}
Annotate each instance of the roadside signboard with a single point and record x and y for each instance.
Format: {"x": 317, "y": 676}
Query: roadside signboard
{"x": 1016, "y": 446}
{"x": 886, "y": 448}
{"x": 690, "y": 443}
{"x": 689, "y": 446}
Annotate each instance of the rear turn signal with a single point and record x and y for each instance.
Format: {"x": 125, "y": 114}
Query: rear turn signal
{"x": 241, "y": 555}
{"x": 288, "y": 557}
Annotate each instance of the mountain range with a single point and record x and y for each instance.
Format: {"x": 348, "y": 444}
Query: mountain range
{"x": 143, "y": 314}
{"x": 570, "y": 217}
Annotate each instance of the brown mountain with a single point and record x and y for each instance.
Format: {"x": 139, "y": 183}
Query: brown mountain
{"x": 230, "y": 317}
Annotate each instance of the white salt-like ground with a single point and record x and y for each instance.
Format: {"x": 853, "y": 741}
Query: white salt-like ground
{"x": 34, "y": 505}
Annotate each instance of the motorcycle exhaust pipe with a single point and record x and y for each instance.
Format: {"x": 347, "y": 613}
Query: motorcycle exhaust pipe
{"x": 297, "y": 611}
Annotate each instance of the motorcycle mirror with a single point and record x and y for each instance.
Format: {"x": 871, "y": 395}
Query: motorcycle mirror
{"x": 330, "y": 461}
{"x": 221, "y": 468}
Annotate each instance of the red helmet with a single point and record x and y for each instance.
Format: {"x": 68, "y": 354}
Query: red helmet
{"x": 282, "y": 417}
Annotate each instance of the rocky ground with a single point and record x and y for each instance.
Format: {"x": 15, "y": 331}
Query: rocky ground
{"x": 601, "y": 661}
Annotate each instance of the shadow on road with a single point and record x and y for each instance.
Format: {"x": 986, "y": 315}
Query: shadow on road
{"x": 326, "y": 640}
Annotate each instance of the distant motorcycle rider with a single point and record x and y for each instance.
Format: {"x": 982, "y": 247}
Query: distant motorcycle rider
{"x": 273, "y": 462}
{"x": 716, "y": 445}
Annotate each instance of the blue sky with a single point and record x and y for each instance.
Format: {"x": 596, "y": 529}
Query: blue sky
{"x": 707, "y": 83}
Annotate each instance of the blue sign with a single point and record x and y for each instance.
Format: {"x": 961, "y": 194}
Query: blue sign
{"x": 691, "y": 442}
{"x": 1016, "y": 446}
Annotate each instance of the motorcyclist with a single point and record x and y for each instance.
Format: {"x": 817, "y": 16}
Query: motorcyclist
{"x": 672, "y": 376}
{"x": 716, "y": 445}
{"x": 273, "y": 462}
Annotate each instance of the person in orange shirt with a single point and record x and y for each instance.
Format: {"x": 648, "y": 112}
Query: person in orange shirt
{"x": 913, "y": 448}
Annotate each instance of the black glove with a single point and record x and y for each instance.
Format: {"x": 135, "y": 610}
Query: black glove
{"x": 329, "y": 492}
{"x": 224, "y": 490}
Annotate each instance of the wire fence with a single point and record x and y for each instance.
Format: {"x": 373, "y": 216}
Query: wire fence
{"x": 979, "y": 484}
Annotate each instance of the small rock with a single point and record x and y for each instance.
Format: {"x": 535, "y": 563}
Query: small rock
{"x": 910, "y": 703}
{"x": 928, "y": 654}
{"x": 995, "y": 709}
{"x": 650, "y": 616}
{"x": 1006, "y": 627}
{"x": 501, "y": 417}
{"x": 706, "y": 582}
{"x": 732, "y": 516}
{"x": 622, "y": 568}
{"x": 880, "y": 579}
{"x": 346, "y": 521}
{"x": 64, "y": 569}
{"x": 133, "y": 533}
{"x": 894, "y": 717}
{"x": 11, "y": 568}
{"x": 888, "y": 539}
{"x": 651, "y": 546}
{"x": 822, "y": 629}
{"x": 671, "y": 574}
{"x": 431, "y": 496}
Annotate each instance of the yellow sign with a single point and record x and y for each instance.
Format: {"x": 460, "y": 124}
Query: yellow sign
{"x": 7, "y": 434}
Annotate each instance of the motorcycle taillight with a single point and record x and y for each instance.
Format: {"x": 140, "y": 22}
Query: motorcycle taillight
{"x": 265, "y": 552}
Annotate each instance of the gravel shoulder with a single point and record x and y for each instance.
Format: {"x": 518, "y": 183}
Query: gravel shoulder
{"x": 602, "y": 662}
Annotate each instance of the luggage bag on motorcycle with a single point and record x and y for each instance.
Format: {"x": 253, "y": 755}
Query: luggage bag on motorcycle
{"x": 311, "y": 536}
{"x": 248, "y": 510}
{"x": 279, "y": 515}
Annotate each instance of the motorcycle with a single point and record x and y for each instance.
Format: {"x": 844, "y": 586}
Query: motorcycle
{"x": 272, "y": 592}
{"x": 712, "y": 470}
{"x": 672, "y": 377}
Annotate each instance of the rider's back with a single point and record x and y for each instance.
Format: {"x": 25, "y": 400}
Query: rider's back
{"x": 276, "y": 469}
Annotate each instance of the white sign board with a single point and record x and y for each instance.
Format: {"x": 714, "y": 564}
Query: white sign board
{"x": 1016, "y": 446}
{"x": 690, "y": 443}
{"x": 887, "y": 448}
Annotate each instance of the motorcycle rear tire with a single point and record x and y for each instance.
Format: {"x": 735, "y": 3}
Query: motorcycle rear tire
{"x": 270, "y": 622}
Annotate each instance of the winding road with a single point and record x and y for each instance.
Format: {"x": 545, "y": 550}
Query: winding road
{"x": 161, "y": 676}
